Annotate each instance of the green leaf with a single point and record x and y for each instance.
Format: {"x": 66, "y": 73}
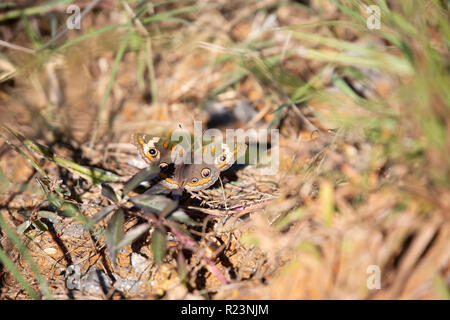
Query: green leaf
{"x": 169, "y": 208}
{"x": 22, "y": 227}
{"x": 145, "y": 174}
{"x": 114, "y": 233}
{"x": 94, "y": 175}
{"x": 133, "y": 234}
{"x": 71, "y": 211}
{"x": 39, "y": 225}
{"x": 7, "y": 262}
{"x": 23, "y": 251}
{"x": 182, "y": 269}
{"x": 103, "y": 213}
{"x": 158, "y": 245}
{"x": 54, "y": 200}
{"x": 109, "y": 192}
{"x": 155, "y": 203}
{"x": 48, "y": 215}
{"x": 182, "y": 217}
{"x": 175, "y": 225}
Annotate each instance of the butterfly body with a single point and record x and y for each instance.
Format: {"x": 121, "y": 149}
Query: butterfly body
{"x": 184, "y": 168}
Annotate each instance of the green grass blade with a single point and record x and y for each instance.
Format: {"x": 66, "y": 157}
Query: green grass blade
{"x": 7, "y": 262}
{"x": 17, "y": 13}
{"x": 91, "y": 34}
{"x": 94, "y": 175}
{"x": 168, "y": 14}
{"x": 386, "y": 62}
{"x": 118, "y": 58}
{"x": 28, "y": 157}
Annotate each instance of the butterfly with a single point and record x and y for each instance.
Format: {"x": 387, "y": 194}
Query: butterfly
{"x": 184, "y": 168}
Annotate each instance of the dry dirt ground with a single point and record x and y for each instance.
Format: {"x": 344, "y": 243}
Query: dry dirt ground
{"x": 336, "y": 212}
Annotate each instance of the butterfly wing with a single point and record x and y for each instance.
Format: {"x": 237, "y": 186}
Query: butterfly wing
{"x": 216, "y": 157}
{"x": 200, "y": 176}
{"x": 193, "y": 176}
{"x": 223, "y": 155}
{"x": 160, "y": 151}
{"x": 154, "y": 149}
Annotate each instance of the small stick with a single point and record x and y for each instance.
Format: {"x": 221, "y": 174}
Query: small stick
{"x": 224, "y": 197}
{"x": 16, "y": 47}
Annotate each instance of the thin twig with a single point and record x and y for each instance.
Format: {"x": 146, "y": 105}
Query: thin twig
{"x": 224, "y": 196}
{"x": 17, "y": 47}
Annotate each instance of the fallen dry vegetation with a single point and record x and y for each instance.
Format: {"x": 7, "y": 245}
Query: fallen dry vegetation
{"x": 364, "y": 174}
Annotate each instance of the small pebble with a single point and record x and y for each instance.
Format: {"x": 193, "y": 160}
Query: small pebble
{"x": 51, "y": 251}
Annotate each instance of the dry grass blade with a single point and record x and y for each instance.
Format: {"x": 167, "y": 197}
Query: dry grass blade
{"x": 95, "y": 175}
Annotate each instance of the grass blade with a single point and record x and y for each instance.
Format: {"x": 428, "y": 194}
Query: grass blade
{"x": 118, "y": 58}
{"x": 13, "y": 14}
{"x": 71, "y": 211}
{"x": 23, "y": 251}
{"x": 94, "y": 175}
{"x": 6, "y": 261}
